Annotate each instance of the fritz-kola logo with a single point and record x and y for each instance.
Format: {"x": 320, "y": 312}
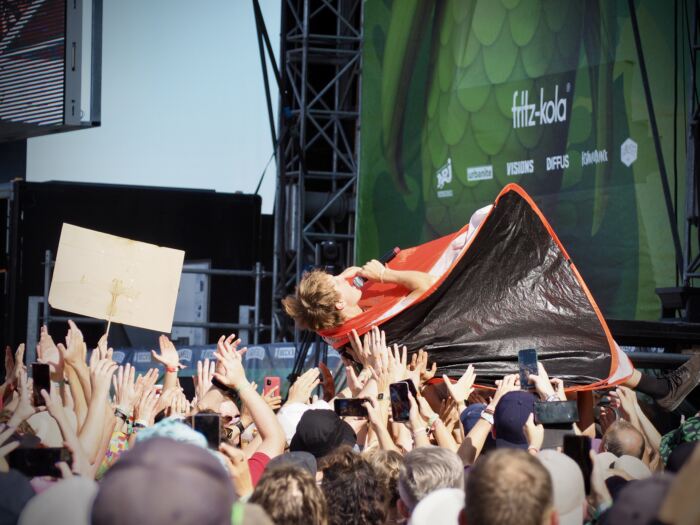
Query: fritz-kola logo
{"x": 526, "y": 115}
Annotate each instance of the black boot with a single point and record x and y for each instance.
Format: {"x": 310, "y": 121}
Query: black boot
{"x": 681, "y": 382}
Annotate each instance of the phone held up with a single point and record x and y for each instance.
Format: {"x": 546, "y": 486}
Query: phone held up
{"x": 271, "y": 383}
{"x": 527, "y": 364}
{"x": 578, "y": 448}
{"x": 209, "y": 425}
{"x": 41, "y": 379}
{"x": 400, "y": 404}
{"x": 350, "y": 407}
{"x": 35, "y": 462}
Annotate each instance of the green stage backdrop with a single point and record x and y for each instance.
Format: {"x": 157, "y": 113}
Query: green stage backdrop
{"x": 461, "y": 97}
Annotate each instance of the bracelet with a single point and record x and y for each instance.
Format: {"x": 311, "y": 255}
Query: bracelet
{"x": 121, "y": 413}
{"x": 381, "y": 274}
{"x": 425, "y": 430}
{"x": 171, "y": 370}
{"x": 553, "y": 397}
{"x": 432, "y": 419}
{"x": 487, "y": 417}
{"x": 489, "y": 411}
{"x": 140, "y": 423}
{"x": 225, "y": 389}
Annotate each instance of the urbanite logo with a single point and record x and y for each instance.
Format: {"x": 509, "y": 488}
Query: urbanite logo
{"x": 520, "y": 167}
{"x": 557, "y": 162}
{"x": 479, "y": 173}
{"x": 526, "y": 115}
{"x": 628, "y": 152}
{"x": 444, "y": 177}
{"x": 596, "y": 156}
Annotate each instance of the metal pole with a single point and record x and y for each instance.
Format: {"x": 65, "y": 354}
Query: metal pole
{"x": 256, "y": 314}
{"x": 47, "y": 283}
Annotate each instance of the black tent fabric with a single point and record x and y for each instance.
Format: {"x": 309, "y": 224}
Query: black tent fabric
{"x": 513, "y": 288}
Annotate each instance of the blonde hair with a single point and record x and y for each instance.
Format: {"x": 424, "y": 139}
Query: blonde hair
{"x": 313, "y": 304}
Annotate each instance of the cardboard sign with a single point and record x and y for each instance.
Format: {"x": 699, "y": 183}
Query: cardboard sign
{"x": 116, "y": 279}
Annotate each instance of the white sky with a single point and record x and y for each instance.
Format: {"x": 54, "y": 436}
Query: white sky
{"x": 183, "y": 101}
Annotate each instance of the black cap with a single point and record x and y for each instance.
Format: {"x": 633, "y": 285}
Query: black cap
{"x": 320, "y": 432}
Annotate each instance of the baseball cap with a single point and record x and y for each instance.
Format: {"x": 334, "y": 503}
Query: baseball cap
{"x": 444, "y": 503}
{"x": 319, "y": 432}
{"x": 164, "y": 481}
{"x": 471, "y": 415}
{"x": 303, "y": 460}
{"x": 510, "y": 416}
{"x": 569, "y": 489}
{"x": 639, "y": 501}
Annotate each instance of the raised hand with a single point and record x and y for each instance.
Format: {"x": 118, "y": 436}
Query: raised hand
{"x": 419, "y": 362}
{"x": 101, "y": 376}
{"x": 144, "y": 383}
{"x": 145, "y": 410}
{"x": 231, "y": 372}
{"x": 328, "y": 383}
{"x": 205, "y": 373}
{"x": 542, "y": 383}
{"x": 300, "y": 391}
{"x": 355, "y": 383}
{"x": 125, "y": 389}
{"x": 47, "y": 352}
{"x": 533, "y": 433}
{"x": 509, "y": 383}
{"x": 179, "y": 406}
{"x": 75, "y": 349}
{"x": 54, "y": 403}
{"x": 24, "y": 409}
{"x": 462, "y": 389}
{"x": 273, "y": 399}
{"x": 168, "y": 356}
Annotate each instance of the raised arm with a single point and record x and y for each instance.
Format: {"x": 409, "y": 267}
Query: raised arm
{"x": 233, "y": 376}
{"x": 415, "y": 282}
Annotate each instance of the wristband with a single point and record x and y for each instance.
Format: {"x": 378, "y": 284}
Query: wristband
{"x": 489, "y": 411}
{"x": 225, "y": 389}
{"x": 381, "y": 274}
{"x": 551, "y": 398}
{"x": 140, "y": 423}
{"x": 240, "y": 427}
{"x": 171, "y": 370}
{"x": 486, "y": 416}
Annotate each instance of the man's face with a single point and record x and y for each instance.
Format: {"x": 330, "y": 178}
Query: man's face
{"x": 349, "y": 295}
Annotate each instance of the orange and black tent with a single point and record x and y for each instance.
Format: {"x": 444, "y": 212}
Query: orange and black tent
{"x": 512, "y": 286}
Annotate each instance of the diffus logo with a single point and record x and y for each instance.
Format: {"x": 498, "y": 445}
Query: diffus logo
{"x": 526, "y": 115}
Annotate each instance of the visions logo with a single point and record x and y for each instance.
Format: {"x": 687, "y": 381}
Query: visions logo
{"x": 526, "y": 115}
{"x": 520, "y": 167}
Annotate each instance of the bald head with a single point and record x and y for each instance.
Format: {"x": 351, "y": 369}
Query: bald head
{"x": 622, "y": 439}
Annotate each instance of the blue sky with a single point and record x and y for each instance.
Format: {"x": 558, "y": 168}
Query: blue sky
{"x": 183, "y": 101}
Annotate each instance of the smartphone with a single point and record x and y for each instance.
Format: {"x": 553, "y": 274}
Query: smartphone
{"x": 400, "y": 405}
{"x": 41, "y": 378}
{"x": 269, "y": 383}
{"x": 411, "y": 387}
{"x": 556, "y": 412}
{"x": 350, "y": 407}
{"x": 578, "y": 448}
{"x": 39, "y": 461}
{"x": 209, "y": 425}
{"x": 527, "y": 364}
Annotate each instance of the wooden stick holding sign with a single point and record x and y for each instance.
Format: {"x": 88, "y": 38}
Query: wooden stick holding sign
{"x": 116, "y": 279}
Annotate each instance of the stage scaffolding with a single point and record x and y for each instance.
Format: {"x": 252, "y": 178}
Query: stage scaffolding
{"x": 319, "y": 76}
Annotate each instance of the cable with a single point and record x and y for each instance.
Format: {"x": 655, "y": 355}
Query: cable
{"x": 264, "y": 171}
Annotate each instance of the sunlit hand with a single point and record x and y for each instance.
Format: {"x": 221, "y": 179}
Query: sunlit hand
{"x": 300, "y": 391}
{"x": 168, "y": 356}
{"x": 462, "y": 389}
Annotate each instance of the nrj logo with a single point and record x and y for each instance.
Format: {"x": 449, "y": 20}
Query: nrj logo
{"x": 444, "y": 175}
{"x": 526, "y": 114}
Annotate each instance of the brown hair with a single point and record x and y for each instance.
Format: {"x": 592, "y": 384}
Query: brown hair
{"x": 313, "y": 304}
{"x": 290, "y": 495}
{"x": 508, "y": 486}
{"x": 387, "y": 465}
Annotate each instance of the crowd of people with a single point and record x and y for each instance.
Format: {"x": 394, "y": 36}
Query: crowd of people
{"x": 467, "y": 454}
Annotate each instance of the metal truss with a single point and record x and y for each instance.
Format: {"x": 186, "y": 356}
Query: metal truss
{"x": 317, "y": 164}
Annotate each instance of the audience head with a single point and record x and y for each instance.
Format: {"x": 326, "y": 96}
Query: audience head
{"x": 353, "y": 493}
{"x": 426, "y": 469}
{"x": 509, "y": 487}
{"x": 680, "y": 455}
{"x": 568, "y": 485}
{"x": 319, "y": 432}
{"x": 443, "y": 504}
{"x": 639, "y": 501}
{"x": 319, "y": 301}
{"x": 623, "y": 439}
{"x": 510, "y": 416}
{"x": 387, "y": 466}
{"x": 155, "y": 483}
{"x": 289, "y": 495}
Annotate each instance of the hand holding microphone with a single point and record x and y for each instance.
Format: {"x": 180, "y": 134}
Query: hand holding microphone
{"x": 359, "y": 282}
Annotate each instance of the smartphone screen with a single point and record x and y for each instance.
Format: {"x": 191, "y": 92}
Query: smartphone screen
{"x": 41, "y": 378}
{"x": 350, "y": 407}
{"x": 39, "y": 461}
{"x": 527, "y": 363}
{"x": 209, "y": 425}
{"x": 400, "y": 405}
{"x": 578, "y": 448}
{"x": 556, "y": 412}
{"x": 269, "y": 384}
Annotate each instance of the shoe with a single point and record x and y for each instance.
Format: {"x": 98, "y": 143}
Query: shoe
{"x": 681, "y": 382}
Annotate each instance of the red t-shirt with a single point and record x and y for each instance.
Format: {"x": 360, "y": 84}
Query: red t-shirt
{"x": 257, "y": 464}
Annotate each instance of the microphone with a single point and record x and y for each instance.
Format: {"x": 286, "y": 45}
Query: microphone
{"x": 359, "y": 282}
